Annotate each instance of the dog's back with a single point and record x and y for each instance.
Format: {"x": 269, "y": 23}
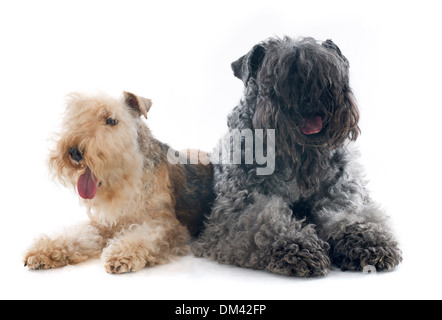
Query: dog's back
{"x": 193, "y": 190}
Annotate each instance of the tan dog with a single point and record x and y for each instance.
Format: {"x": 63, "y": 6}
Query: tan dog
{"x": 141, "y": 207}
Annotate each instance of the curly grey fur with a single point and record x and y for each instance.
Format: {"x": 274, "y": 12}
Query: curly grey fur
{"x": 314, "y": 211}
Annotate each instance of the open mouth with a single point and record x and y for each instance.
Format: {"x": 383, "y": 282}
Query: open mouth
{"x": 312, "y": 125}
{"x": 87, "y": 185}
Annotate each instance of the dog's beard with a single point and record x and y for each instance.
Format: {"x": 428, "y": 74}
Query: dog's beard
{"x": 303, "y": 144}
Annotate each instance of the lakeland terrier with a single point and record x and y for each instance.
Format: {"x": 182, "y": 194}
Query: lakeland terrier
{"x": 142, "y": 208}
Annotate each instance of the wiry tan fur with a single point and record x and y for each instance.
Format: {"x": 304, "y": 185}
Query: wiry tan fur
{"x": 144, "y": 207}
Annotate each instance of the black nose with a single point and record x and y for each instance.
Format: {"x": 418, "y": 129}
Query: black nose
{"x": 75, "y": 154}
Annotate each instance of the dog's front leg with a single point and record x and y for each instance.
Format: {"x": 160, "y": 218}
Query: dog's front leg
{"x": 76, "y": 244}
{"x": 359, "y": 236}
{"x": 145, "y": 244}
{"x": 263, "y": 235}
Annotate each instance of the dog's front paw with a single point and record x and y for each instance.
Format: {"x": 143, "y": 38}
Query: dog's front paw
{"x": 123, "y": 265}
{"x": 118, "y": 260}
{"x": 44, "y": 254}
{"x": 362, "y": 245}
{"x": 305, "y": 255}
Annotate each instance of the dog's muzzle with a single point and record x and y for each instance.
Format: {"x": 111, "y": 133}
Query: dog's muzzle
{"x": 75, "y": 154}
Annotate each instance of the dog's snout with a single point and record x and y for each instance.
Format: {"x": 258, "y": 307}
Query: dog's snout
{"x": 75, "y": 154}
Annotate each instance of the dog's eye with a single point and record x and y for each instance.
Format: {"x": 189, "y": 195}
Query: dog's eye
{"x": 111, "y": 122}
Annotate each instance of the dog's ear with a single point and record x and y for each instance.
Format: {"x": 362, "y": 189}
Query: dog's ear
{"x": 247, "y": 66}
{"x": 136, "y": 103}
{"x": 332, "y": 46}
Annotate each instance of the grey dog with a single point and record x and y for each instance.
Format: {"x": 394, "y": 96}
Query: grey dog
{"x": 314, "y": 211}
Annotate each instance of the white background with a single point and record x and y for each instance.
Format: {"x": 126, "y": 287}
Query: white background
{"x": 178, "y": 53}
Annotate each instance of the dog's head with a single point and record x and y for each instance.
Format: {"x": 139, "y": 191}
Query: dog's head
{"x": 97, "y": 150}
{"x": 301, "y": 89}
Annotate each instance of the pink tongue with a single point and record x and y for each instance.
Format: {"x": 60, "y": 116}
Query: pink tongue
{"x": 87, "y": 185}
{"x": 312, "y": 125}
